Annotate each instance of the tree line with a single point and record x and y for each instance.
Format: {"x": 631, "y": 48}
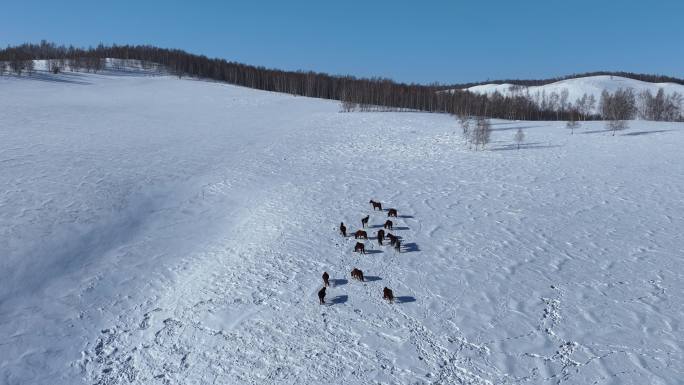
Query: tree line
{"x": 355, "y": 93}
{"x": 623, "y": 105}
{"x": 364, "y": 94}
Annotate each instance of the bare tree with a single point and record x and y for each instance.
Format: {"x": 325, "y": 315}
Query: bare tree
{"x": 519, "y": 137}
{"x": 581, "y": 105}
{"x": 563, "y": 101}
{"x": 480, "y": 136}
{"x": 591, "y": 104}
{"x": 53, "y": 66}
{"x": 616, "y": 125}
{"x": 673, "y": 111}
{"x": 554, "y": 102}
{"x": 464, "y": 121}
{"x": 660, "y": 107}
{"x": 347, "y": 106}
{"x": 617, "y": 108}
{"x": 572, "y": 124}
{"x": 29, "y": 66}
{"x": 17, "y": 66}
{"x": 585, "y": 105}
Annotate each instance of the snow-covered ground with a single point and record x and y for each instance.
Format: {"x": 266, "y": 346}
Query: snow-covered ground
{"x": 590, "y": 85}
{"x": 164, "y": 231}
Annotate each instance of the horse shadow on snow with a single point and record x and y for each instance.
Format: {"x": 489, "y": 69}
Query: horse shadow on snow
{"x": 404, "y": 299}
{"x": 340, "y": 299}
{"x": 411, "y": 247}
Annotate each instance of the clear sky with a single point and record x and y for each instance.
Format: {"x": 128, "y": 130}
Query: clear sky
{"x": 411, "y": 41}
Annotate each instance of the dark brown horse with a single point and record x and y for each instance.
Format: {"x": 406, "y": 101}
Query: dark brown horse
{"x": 343, "y": 229}
{"x": 376, "y": 205}
{"x": 381, "y": 236}
{"x": 360, "y": 248}
{"x": 326, "y": 279}
{"x": 392, "y": 213}
{"x": 397, "y": 246}
{"x": 364, "y": 221}
{"x": 388, "y": 224}
{"x": 358, "y": 274}
{"x": 321, "y": 296}
{"x": 360, "y": 234}
{"x": 393, "y": 239}
{"x": 387, "y": 294}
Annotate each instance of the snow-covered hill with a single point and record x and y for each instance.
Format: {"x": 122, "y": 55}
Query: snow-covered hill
{"x": 164, "y": 231}
{"x": 591, "y": 85}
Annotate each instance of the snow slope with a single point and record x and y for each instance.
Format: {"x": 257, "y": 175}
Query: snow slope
{"x": 591, "y": 85}
{"x": 164, "y": 231}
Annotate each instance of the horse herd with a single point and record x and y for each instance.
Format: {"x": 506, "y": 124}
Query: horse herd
{"x": 360, "y": 247}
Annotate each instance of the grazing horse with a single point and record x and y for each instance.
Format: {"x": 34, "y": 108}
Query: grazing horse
{"x": 364, "y": 221}
{"x": 392, "y": 238}
{"x": 360, "y": 247}
{"x": 381, "y": 236}
{"x": 387, "y": 294}
{"x": 343, "y": 229}
{"x": 326, "y": 279}
{"x": 388, "y": 224}
{"x": 397, "y": 246}
{"x": 376, "y": 205}
{"x": 358, "y": 274}
{"x": 321, "y": 296}
{"x": 392, "y": 213}
{"x": 360, "y": 234}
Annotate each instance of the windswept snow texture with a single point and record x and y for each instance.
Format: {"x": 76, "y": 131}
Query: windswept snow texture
{"x": 164, "y": 231}
{"x": 591, "y": 85}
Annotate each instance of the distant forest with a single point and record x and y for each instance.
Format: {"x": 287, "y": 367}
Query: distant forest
{"x": 364, "y": 94}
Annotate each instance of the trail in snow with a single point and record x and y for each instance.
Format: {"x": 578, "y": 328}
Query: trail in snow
{"x": 166, "y": 231}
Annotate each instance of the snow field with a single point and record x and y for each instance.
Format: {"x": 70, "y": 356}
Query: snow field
{"x": 174, "y": 231}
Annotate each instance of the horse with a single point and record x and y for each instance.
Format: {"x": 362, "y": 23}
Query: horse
{"x": 397, "y": 246}
{"x": 360, "y": 234}
{"x": 326, "y": 279}
{"x": 392, "y": 213}
{"x": 388, "y": 224}
{"x": 358, "y": 274}
{"x": 387, "y": 294}
{"x": 393, "y": 239}
{"x": 381, "y": 236}
{"x": 360, "y": 247}
{"x": 364, "y": 221}
{"x": 343, "y": 229}
{"x": 321, "y": 296}
{"x": 376, "y": 205}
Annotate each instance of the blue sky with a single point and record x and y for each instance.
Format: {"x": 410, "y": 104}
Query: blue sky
{"x": 410, "y": 41}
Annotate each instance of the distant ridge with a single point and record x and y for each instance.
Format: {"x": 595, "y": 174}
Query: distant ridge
{"x": 542, "y": 82}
